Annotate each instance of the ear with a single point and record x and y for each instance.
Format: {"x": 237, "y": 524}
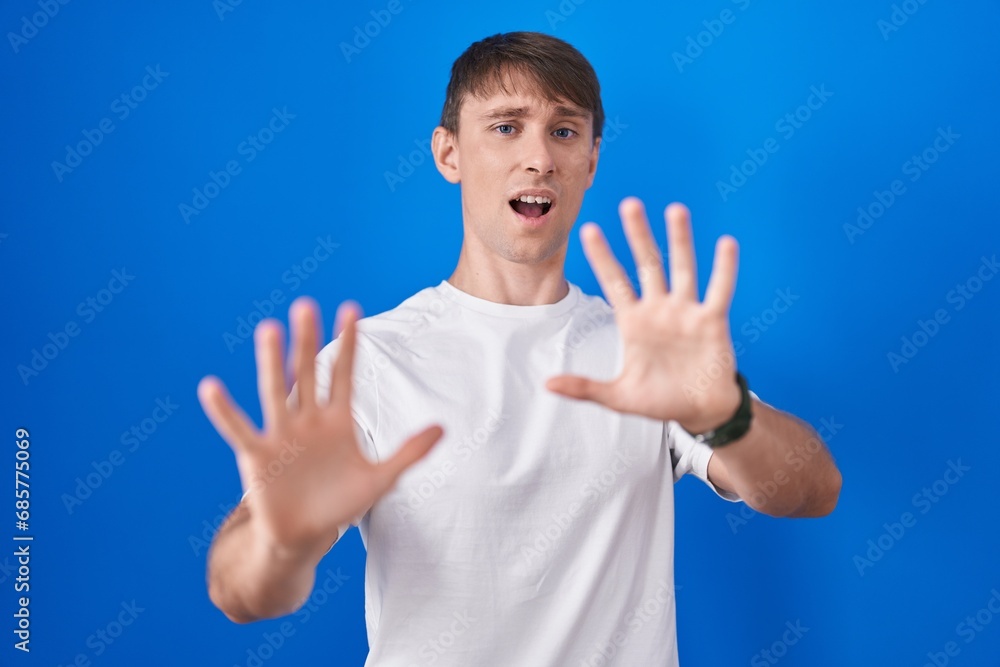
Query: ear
{"x": 595, "y": 153}
{"x": 444, "y": 146}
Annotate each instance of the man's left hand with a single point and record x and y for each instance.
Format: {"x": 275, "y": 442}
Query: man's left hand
{"x": 679, "y": 362}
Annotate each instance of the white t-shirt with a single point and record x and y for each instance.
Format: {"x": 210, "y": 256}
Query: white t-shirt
{"x": 539, "y": 531}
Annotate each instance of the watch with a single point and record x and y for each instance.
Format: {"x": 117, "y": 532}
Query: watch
{"x": 738, "y": 424}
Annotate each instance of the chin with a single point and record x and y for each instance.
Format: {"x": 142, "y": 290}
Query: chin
{"x": 533, "y": 248}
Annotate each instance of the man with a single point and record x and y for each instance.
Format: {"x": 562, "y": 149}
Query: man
{"x": 539, "y": 529}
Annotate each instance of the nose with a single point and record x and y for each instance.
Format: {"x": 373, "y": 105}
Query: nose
{"x": 538, "y": 158}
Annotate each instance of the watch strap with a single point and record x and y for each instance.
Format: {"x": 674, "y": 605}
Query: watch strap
{"x": 738, "y": 424}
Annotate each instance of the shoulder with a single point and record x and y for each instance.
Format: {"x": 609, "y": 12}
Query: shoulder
{"x": 393, "y": 326}
{"x": 409, "y": 319}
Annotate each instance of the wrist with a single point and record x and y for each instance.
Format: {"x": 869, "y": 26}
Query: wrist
{"x": 718, "y": 432}
{"x": 281, "y": 555}
{"x": 710, "y": 421}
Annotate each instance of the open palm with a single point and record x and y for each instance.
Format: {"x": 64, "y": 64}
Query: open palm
{"x": 303, "y": 470}
{"x": 678, "y": 356}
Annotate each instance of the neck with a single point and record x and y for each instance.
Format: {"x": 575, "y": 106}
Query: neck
{"x": 502, "y": 281}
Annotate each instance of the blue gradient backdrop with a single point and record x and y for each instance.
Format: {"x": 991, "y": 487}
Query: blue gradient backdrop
{"x": 347, "y": 168}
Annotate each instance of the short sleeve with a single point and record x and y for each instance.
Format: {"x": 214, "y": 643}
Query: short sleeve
{"x": 689, "y": 455}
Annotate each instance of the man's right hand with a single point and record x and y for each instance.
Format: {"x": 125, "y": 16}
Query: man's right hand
{"x": 305, "y": 474}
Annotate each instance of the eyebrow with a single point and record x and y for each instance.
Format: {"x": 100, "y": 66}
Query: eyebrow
{"x": 572, "y": 112}
{"x": 521, "y": 112}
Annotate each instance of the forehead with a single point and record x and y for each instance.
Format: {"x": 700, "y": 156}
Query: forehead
{"x": 516, "y": 93}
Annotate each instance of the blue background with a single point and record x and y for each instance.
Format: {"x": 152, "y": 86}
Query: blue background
{"x": 678, "y": 130}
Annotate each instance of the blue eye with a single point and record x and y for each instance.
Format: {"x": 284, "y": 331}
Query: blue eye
{"x": 508, "y": 127}
{"x": 568, "y": 131}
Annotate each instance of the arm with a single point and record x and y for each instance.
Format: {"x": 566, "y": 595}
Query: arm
{"x": 249, "y": 580}
{"x": 305, "y": 477}
{"x": 780, "y": 467}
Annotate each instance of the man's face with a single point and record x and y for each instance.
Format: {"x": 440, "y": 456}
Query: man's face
{"x": 524, "y": 163}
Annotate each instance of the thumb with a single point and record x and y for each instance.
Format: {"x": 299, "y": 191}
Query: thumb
{"x": 581, "y": 388}
{"x": 414, "y": 449}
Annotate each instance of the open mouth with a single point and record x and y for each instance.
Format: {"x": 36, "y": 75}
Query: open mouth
{"x": 531, "y": 206}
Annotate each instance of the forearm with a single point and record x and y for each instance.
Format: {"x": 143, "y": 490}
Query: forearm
{"x": 250, "y": 581}
{"x": 781, "y": 466}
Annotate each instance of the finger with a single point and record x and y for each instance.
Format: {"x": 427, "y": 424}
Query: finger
{"x": 581, "y": 388}
{"x": 722, "y": 282}
{"x": 645, "y": 252}
{"x": 342, "y": 372}
{"x": 614, "y": 282}
{"x": 227, "y": 417}
{"x": 305, "y": 336}
{"x": 414, "y": 449}
{"x": 271, "y": 386}
{"x": 683, "y": 271}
